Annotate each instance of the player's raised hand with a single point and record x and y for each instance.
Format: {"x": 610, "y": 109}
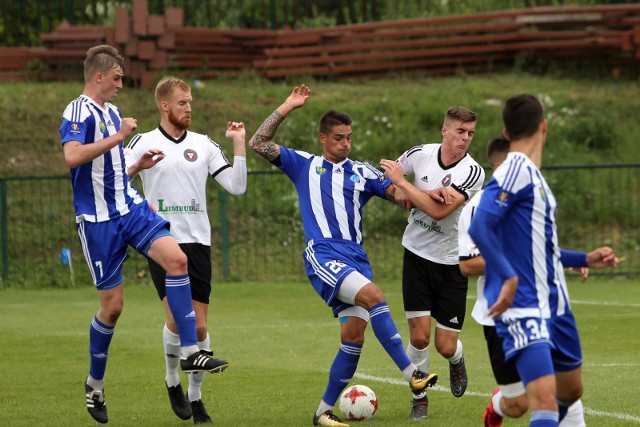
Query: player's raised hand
{"x": 127, "y": 127}
{"x": 236, "y": 131}
{"x": 299, "y": 96}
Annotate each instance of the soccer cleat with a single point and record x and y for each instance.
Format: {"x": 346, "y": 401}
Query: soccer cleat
{"x": 458, "y": 378}
{"x": 200, "y": 415}
{"x": 179, "y": 402}
{"x": 328, "y": 419}
{"x": 95, "y": 404}
{"x": 419, "y": 409}
{"x": 421, "y": 380}
{"x": 490, "y": 418}
{"x": 202, "y": 361}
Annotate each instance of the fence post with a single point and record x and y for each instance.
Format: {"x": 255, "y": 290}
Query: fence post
{"x": 224, "y": 234}
{"x": 4, "y": 230}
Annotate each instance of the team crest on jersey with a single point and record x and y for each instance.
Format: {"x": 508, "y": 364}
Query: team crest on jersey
{"x": 190, "y": 155}
{"x": 446, "y": 181}
{"x": 502, "y": 199}
{"x": 355, "y": 178}
{"x": 320, "y": 170}
{"x": 75, "y": 128}
{"x": 103, "y": 127}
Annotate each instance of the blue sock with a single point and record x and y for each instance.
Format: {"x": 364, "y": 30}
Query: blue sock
{"x": 388, "y": 335}
{"x": 342, "y": 369}
{"x": 99, "y": 339}
{"x": 543, "y": 419}
{"x": 179, "y": 299}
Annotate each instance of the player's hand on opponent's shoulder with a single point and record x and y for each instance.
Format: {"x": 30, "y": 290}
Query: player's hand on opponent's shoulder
{"x": 236, "y": 131}
{"x": 299, "y": 96}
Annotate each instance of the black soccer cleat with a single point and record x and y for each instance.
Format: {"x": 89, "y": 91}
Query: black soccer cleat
{"x": 200, "y": 415}
{"x": 202, "y": 361}
{"x": 179, "y": 402}
{"x": 95, "y": 404}
{"x": 458, "y": 378}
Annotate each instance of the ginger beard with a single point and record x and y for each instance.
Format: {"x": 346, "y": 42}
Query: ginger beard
{"x": 181, "y": 123}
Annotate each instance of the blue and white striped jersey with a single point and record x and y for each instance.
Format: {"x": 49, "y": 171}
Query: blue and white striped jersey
{"x": 331, "y": 195}
{"x": 519, "y": 202}
{"x": 101, "y": 188}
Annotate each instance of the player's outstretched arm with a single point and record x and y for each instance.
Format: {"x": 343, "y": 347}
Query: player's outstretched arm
{"x": 262, "y": 141}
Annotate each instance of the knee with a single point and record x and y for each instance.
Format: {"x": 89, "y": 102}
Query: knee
{"x": 110, "y": 313}
{"x": 177, "y": 263}
{"x": 447, "y": 351}
{"x": 419, "y": 339}
{"x": 369, "y": 296}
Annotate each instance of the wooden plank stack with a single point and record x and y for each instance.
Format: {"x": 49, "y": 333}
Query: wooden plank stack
{"x": 155, "y": 45}
{"x": 444, "y": 45}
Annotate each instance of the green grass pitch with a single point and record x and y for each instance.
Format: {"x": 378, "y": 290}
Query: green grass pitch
{"x": 280, "y": 340}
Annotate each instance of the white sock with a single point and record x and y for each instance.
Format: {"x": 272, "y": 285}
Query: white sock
{"x": 324, "y": 407}
{"x": 171, "y": 344}
{"x": 95, "y": 384}
{"x": 187, "y": 351}
{"x": 458, "y": 354}
{"x": 419, "y": 357}
{"x": 575, "y": 416}
{"x": 495, "y": 400}
{"x": 196, "y": 378}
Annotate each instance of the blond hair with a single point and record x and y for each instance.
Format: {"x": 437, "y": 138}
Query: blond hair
{"x": 166, "y": 86}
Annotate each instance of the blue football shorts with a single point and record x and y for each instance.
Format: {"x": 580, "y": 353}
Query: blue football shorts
{"x": 567, "y": 353}
{"x": 104, "y": 244}
{"x": 329, "y": 262}
{"x": 526, "y": 341}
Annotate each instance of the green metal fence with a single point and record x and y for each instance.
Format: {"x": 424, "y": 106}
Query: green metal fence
{"x": 259, "y": 237}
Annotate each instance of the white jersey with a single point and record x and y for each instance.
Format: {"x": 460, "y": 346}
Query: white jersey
{"x": 467, "y": 249}
{"x": 176, "y": 186}
{"x": 437, "y": 241}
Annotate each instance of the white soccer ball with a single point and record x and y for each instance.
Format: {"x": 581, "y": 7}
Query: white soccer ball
{"x": 358, "y": 403}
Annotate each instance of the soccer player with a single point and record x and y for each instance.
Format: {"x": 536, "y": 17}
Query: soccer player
{"x": 332, "y": 191}
{"x": 432, "y": 285}
{"x": 174, "y": 165}
{"x": 515, "y": 231}
{"x": 110, "y": 216}
{"x": 509, "y": 398}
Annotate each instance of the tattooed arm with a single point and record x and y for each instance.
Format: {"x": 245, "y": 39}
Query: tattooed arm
{"x": 262, "y": 142}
